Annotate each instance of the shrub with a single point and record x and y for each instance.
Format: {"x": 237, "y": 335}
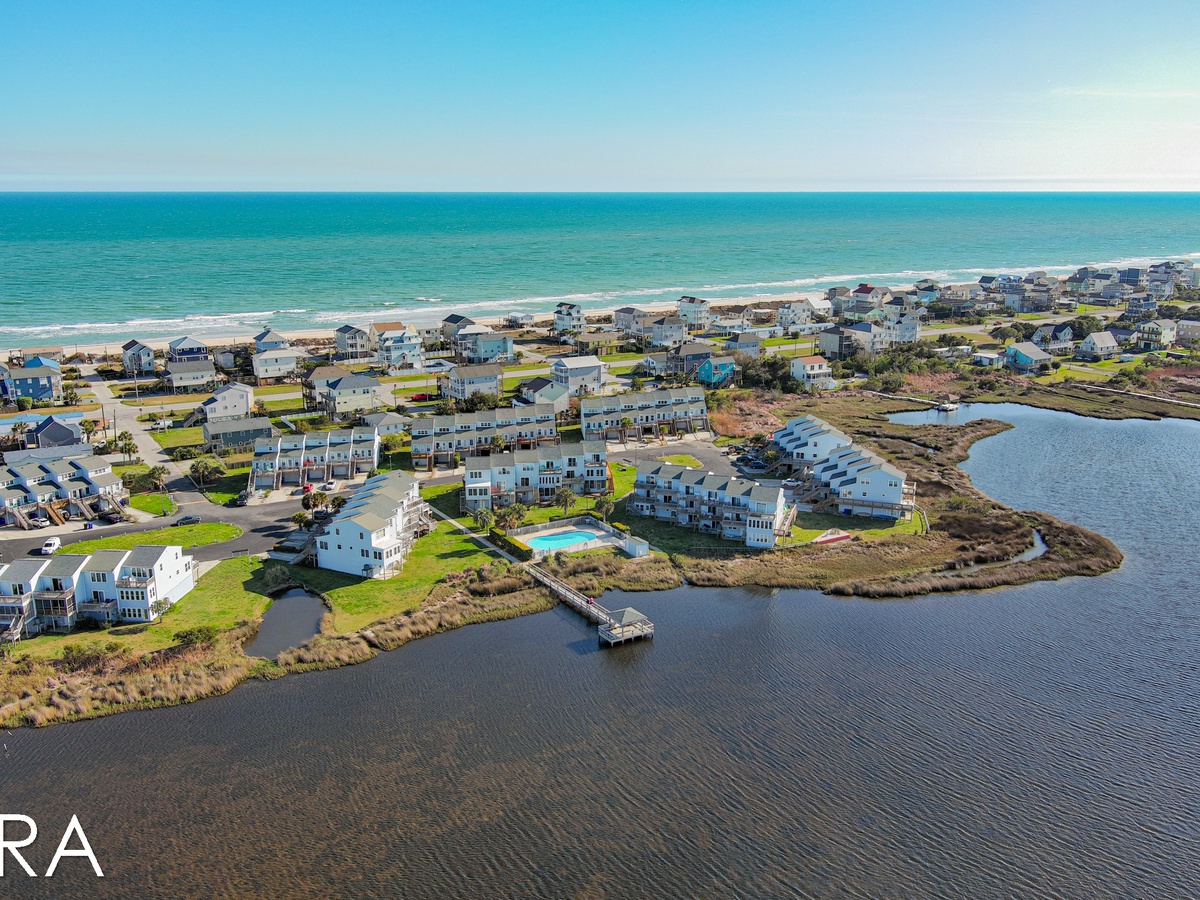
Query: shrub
{"x": 519, "y": 549}
{"x": 203, "y": 635}
{"x": 275, "y": 577}
{"x": 620, "y": 526}
{"x": 24, "y": 404}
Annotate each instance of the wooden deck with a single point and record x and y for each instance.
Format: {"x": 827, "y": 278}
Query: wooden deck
{"x": 612, "y": 629}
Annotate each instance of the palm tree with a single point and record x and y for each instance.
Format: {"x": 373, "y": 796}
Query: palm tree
{"x": 301, "y": 519}
{"x": 484, "y": 518}
{"x": 204, "y": 470}
{"x": 88, "y": 427}
{"x": 626, "y": 424}
{"x": 508, "y": 517}
{"x": 565, "y": 497}
{"x": 604, "y": 506}
{"x": 337, "y": 503}
{"x": 499, "y": 442}
{"x": 18, "y": 433}
{"x": 156, "y": 476}
{"x": 70, "y": 395}
{"x": 320, "y": 499}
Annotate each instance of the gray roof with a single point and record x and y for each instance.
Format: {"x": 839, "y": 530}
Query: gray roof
{"x": 105, "y": 560}
{"x": 144, "y": 556}
{"x": 65, "y": 564}
{"x": 628, "y": 616}
{"x": 21, "y": 570}
{"x": 352, "y": 382}
{"x": 487, "y": 370}
{"x": 192, "y": 367}
{"x": 234, "y": 426}
{"x": 350, "y": 329}
{"x": 327, "y": 373}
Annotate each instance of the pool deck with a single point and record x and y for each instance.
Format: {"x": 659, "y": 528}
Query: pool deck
{"x": 598, "y": 539}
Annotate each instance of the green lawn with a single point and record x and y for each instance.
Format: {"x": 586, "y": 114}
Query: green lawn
{"x": 183, "y": 535}
{"x": 228, "y": 486}
{"x": 230, "y": 593}
{"x": 283, "y": 407}
{"x": 810, "y": 525}
{"x": 621, "y": 357}
{"x": 680, "y": 459}
{"x": 179, "y": 437}
{"x": 357, "y": 602}
{"x": 130, "y": 469}
{"x": 152, "y": 503}
{"x": 169, "y": 400}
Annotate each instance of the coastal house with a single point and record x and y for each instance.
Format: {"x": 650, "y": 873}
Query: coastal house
{"x": 297, "y": 459}
{"x": 746, "y": 342}
{"x": 686, "y": 359}
{"x": 39, "y": 379}
{"x": 625, "y": 319}
{"x": 401, "y": 350}
{"x": 137, "y": 358}
{"x": 373, "y": 534}
{"x": 875, "y": 296}
{"x": 987, "y": 360}
{"x": 61, "y": 477}
{"x": 190, "y": 376}
{"x": 376, "y": 330}
{"x": 279, "y": 364}
{"x": 1157, "y": 334}
{"x": 232, "y": 401}
{"x": 352, "y": 342}
{"x": 856, "y": 482}
{"x": 451, "y": 325}
{"x": 792, "y": 315}
{"x": 351, "y": 394}
{"x": 187, "y": 349}
{"x": 436, "y": 439}
{"x": 1025, "y": 358}
{"x": 1054, "y": 339}
{"x": 569, "y": 318}
{"x": 545, "y": 390}
{"x": 463, "y": 381}
{"x": 580, "y": 375}
{"x": 841, "y": 343}
{"x": 804, "y": 441}
{"x": 696, "y": 314}
{"x": 387, "y": 422}
{"x": 152, "y": 579}
{"x": 717, "y": 371}
{"x": 228, "y": 434}
{"x": 1141, "y": 307}
{"x": 533, "y": 476}
{"x": 873, "y": 338}
{"x": 733, "y": 508}
{"x": 475, "y": 344}
{"x": 664, "y": 331}
{"x": 598, "y": 342}
{"x": 1188, "y": 332}
{"x": 813, "y": 371}
{"x": 519, "y": 320}
{"x": 817, "y": 307}
{"x": 901, "y": 328}
{"x": 18, "y": 614}
{"x": 1099, "y": 345}
{"x": 54, "y": 431}
{"x": 312, "y": 385}
{"x": 652, "y": 365}
{"x": 96, "y": 590}
{"x": 270, "y": 339}
{"x": 646, "y": 414}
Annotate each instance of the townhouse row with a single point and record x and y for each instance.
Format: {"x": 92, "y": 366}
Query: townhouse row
{"x": 298, "y": 459}
{"x": 373, "y": 534}
{"x": 839, "y": 475}
{"x": 644, "y": 413}
{"x": 532, "y": 477}
{"x": 436, "y": 440}
{"x": 733, "y": 508}
{"x": 83, "y": 485}
{"x": 50, "y": 595}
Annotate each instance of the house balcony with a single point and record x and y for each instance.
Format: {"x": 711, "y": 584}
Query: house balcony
{"x": 98, "y": 607}
{"x": 135, "y": 582}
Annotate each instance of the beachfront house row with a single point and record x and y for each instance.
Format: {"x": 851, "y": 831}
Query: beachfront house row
{"x": 813, "y": 371}
{"x": 190, "y": 376}
{"x": 736, "y": 509}
{"x": 1099, "y": 345}
{"x": 545, "y": 390}
{"x": 532, "y": 477}
{"x": 696, "y": 314}
{"x": 643, "y": 414}
{"x": 373, "y": 534}
{"x": 232, "y": 401}
{"x": 39, "y": 379}
{"x": 230, "y": 434}
{"x": 187, "y": 349}
{"x": 270, "y": 339}
{"x": 569, "y": 319}
{"x": 351, "y": 394}
{"x": 463, "y": 381}
{"x": 580, "y": 375}
{"x": 352, "y": 342}
{"x": 376, "y": 330}
{"x": 279, "y": 364}
{"x": 519, "y": 320}
{"x": 717, "y": 371}
{"x": 298, "y": 459}
{"x": 1026, "y": 358}
{"x": 137, "y": 358}
{"x": 436, "y": 439}
{"x": 476, "y": 344}
{"x": 451, "y": 325}
{"x": 1157, "y": 334}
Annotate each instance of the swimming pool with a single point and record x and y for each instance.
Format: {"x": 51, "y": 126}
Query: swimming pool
{"x": 562, "y": 539}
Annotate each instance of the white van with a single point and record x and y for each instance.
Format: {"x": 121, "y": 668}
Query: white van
{"x": 50, "y": 546}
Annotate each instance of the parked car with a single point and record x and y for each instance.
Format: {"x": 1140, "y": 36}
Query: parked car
{"x": 112, "y": 517}
{"x": 757, "y": 464}
{"x": 242, "y": 499}
{"x": 792, "y": 482}
{"x": 307, "y": 489}
{"x": 188, "y": 520}
{"x": 40, "y": 523}
{"x": 418, "y": 398}
{"x": 329, "y": 486}
{"x": 50, "y": 546}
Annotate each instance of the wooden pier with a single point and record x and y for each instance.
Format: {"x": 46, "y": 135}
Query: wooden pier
{"x": 614, "y": 627}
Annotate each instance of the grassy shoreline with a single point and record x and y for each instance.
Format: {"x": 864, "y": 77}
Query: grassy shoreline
{"x": 450, "y": 581}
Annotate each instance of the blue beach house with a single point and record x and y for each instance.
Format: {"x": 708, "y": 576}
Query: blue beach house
{"x": 716, "y": 371}
{"x": 39, "y": 379}
{"x": 186, "y": 349}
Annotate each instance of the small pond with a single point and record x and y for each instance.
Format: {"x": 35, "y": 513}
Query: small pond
{"x": 293, "y": 618}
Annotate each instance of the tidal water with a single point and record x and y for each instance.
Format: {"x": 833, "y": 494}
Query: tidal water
{"x": 1040, "y": 741}
{"x": 294, "y": 617}
{"x": 90, "y": 268}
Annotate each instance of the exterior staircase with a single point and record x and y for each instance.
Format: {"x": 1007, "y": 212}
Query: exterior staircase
{"x": 52, "y": 514}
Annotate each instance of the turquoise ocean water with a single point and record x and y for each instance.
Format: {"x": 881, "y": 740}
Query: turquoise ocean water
{"x": 98, "y": 267}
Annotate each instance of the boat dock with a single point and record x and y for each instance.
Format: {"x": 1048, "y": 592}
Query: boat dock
{"x": 614, "y": 627}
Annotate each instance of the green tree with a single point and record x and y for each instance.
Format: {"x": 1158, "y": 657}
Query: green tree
{"x": 484, "y": 518}
{"x": 17, "y": 438}
{"x": 337, "y": 503}
{"x": 300, "y": 519}
{"x": 88, "y": 427}
{"x": 566, "y": 498}
{"x": 604, "y": 507}
{"x": 205, "y": 470}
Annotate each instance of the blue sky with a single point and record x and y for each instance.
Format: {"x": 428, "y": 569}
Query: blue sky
{"x": 600, "y": 96}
